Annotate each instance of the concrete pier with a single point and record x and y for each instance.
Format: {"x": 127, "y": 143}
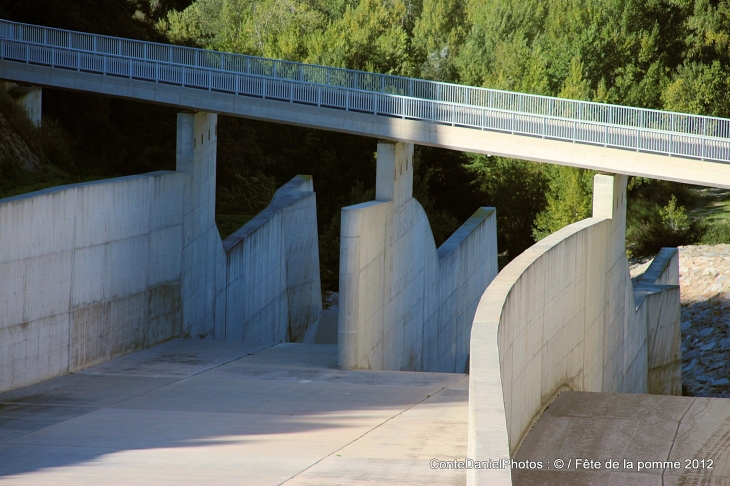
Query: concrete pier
{"x": 30, "y": 98}
{"x": 404, "y": 304}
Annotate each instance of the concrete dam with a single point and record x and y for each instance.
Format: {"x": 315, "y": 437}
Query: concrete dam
{"x": 560, "y": 337}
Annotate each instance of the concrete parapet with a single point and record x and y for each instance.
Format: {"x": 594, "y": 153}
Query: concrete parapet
{"x": 403, "y": 304}
{"x": 563, "y": 315}
{"x": 272, "y": 285}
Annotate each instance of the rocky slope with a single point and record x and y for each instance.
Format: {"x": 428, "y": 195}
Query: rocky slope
{"x": 13, "y": 149}
{"x": 704, "y": 279}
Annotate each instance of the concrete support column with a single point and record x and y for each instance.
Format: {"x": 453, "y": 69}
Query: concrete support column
{"x": 31, "y": 101}
{"x": 28, "y": 97}
{"x": 394, "y": 177}
{"x": 203, "y": 267}
{"x": 404, "y": 305}
{"x": 368, "y": 264}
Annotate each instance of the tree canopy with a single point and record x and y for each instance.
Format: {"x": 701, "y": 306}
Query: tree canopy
{"x": 665, "y": 54}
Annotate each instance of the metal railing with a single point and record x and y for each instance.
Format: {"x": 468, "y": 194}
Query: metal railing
{"x": 673, "y": 134}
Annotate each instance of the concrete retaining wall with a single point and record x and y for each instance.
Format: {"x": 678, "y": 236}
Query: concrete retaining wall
{"x": 656, "y": 293}
{"x": 403, "y": 304}
{"x": 273, "y": 284}
{"x": 563, "y": 316}
{"x": 91, "y": 271}
{"x": 87, "y": 272}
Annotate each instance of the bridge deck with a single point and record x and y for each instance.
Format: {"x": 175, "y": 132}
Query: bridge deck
{"x": 212, "y": 412}
{"x": 617, "y": 139}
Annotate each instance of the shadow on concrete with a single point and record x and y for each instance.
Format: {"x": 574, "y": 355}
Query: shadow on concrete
{"x": 276, "y": 410}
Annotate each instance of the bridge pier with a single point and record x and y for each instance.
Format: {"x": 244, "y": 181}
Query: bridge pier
{"x": 404, "y": 305}
{"x": 203, "y": 260}
{"x": 29, "y": 98}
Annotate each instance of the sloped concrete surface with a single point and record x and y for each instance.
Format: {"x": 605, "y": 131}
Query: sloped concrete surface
{"x": 685, "y": 440}
{"x": 213, "y": 412}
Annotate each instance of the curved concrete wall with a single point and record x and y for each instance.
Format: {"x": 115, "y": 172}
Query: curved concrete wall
{"x": 563, "y": 316}
{"x": 87, "y": 272}
{"x": 273, "y": 285}
{"x": 403, "y": 304}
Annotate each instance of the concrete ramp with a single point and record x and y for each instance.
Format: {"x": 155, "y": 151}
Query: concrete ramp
{"x": 649, "y": 439}
{"x": 219, "y": 412}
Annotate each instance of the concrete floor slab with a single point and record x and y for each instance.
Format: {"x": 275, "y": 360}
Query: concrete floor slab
{"x": 119, "y": 429}
{"x": 22, "y": 418}
{"x": 179, "y": 358}
{"x": 393, "y": 472}
{"x": 84, "y": 390}
{"x": 283, "y": 415}
{"x": 215, "y": 465}
{"x": 202, "y": 394}
{"x": 299, "y": 355}
{"x": 598, "y": 427}
{"x": 249, "y": 370}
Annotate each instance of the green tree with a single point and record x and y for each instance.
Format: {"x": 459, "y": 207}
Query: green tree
{"x": 437, "y": 37}
{"x": 517, "y": 189}
{"x": 569, "y": 199}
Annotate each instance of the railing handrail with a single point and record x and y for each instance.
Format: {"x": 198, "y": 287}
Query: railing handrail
{"x": 524, "y": 100}
{"x": 368, "y": 92}
{"x": 258, "y": 78}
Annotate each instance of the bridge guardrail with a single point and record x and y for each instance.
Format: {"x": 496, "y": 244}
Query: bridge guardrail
{"x": 569, "y": 120}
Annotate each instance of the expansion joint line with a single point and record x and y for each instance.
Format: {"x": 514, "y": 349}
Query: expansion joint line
{"x": 370, "y": 430}
{"x": 676, "y": 433}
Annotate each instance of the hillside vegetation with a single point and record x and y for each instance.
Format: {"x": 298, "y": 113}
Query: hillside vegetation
{"x": 664, "y": 54}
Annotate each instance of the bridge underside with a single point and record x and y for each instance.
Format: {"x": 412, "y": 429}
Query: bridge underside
{"x": 596, "y": 157}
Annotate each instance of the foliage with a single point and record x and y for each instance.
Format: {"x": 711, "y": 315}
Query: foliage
{"x": 48, "y": 145}
{"x": 716, "y": 234}
{"x": 329, "y": 238}
{"x": 569, "y": 199}
{"x": 442, "y": 223}
{"x": 665, "y": 54}
{"x": 517, "y": 189}
{"x": 651, "y": 226}
{"x": 674, "y": 217}
{"x": 247, "y": 195}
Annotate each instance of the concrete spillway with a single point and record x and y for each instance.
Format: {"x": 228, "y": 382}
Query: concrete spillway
{"x": 220, "y": 412}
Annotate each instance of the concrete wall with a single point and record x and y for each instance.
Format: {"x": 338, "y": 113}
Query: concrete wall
{"x": 273, "y": 284}
{"x": 656, "y": 293}
{"x": 87, "y": 272}
{"x": 403, "y": 304}
{"x": 91, "y": 271}
{"x": 562, "y": 316}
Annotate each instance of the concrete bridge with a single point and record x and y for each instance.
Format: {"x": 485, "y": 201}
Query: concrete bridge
{"x": 138, "y": 260}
